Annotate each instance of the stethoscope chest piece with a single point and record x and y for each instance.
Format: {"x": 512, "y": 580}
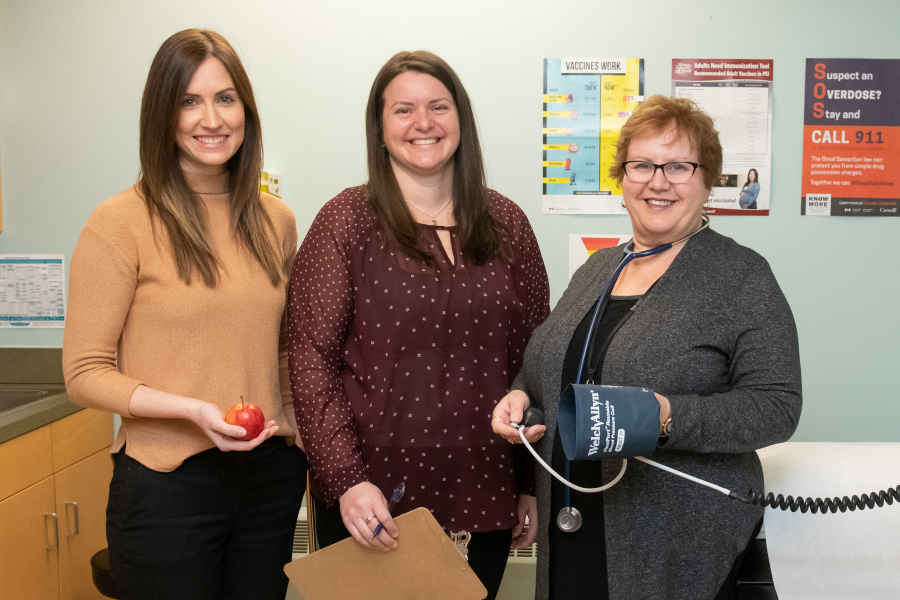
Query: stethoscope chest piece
{"x": 569, "y": 519}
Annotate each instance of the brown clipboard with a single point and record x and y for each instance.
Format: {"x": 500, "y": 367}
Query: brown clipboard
{"x": 425, "y": 565}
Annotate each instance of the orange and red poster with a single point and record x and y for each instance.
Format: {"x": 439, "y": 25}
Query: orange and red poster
{"x": 851, "y": 138}
{"x": 582, "y": 246}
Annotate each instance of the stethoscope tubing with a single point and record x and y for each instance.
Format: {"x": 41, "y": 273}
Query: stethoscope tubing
{"x": 618, "y": 477}
{"x": 755, "y": 498}
{"x": 630, "y": 255}
{"x": 563, "y": 479}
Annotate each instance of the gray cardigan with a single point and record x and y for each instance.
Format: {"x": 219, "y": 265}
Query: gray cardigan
{"x": 716, "y": 336}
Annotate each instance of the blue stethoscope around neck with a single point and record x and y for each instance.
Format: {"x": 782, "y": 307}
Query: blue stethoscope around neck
{"x": 603, "y": 300}
{"x": 569, "y": 518}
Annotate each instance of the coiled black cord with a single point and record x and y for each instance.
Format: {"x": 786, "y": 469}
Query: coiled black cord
{"x": 815, "y": 505}
{"x": 534, "y": 416}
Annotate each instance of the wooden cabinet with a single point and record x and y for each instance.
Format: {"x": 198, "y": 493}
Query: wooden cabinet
{"x": 53, "y": 491}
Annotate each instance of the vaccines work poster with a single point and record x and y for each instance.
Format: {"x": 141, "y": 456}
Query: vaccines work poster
{"x": 851, "y": 138}
{"x": 737, "y": 94}
{"x": 586, "y": 102}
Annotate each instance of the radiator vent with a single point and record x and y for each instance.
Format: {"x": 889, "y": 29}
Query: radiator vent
{"x": 529, "y": 552}
{"x": 301, "y": 538}
{"x": 301, "y": 543}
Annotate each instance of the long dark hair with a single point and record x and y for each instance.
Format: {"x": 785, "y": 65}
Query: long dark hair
{"x": 755, "y": 180}
{"x": 480, "y": 233}
{"x": 162, "y": 181}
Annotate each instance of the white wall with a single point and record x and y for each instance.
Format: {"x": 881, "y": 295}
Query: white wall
{"x": 71, "y": 76}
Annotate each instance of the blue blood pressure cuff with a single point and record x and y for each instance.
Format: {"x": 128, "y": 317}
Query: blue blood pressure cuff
{"x": 606, "y": 421}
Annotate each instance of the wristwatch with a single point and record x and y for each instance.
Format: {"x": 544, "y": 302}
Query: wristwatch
{"x": 665, "y": 429}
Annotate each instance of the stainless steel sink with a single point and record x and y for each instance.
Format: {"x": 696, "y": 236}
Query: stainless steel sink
{"x": 25, "y": 407}
{"x": 14, "y": 398}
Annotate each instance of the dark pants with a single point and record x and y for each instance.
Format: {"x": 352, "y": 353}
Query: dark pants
{"x": 488, "y": 550}
{"x": 727, "y": 591}
{"x": 219, "y": 526}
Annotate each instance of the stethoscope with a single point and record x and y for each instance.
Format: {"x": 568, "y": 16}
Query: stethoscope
{"x": 569, "y": 518}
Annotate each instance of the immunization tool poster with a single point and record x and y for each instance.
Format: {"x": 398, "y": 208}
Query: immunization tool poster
{"x": 586, "y": 102}
{"x": 851, "y": 138}
{"x": 737, "y": 94}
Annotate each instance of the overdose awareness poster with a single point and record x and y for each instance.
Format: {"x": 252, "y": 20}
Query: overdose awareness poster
{"x": 737, "y": 94}
{"x": 851, "y": 138}
{"x": 586, "y": 102}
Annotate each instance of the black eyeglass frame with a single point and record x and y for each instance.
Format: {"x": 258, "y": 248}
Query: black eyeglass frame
{"x": 660, "y": 167}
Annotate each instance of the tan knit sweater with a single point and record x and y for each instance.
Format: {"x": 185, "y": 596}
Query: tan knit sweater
{"x": 126, "y": 302}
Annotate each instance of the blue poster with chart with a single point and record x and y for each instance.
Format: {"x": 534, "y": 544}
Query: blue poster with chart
{"x": 586, "y": 101}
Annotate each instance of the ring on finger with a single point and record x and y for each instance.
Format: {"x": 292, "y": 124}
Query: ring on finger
{"x": 369, "y": 519}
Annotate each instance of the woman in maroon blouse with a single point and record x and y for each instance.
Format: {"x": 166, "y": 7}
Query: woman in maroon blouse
{"x": 411, "y": 301}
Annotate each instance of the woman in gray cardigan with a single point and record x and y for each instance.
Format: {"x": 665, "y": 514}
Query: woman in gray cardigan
{"x": 703, "y": 324}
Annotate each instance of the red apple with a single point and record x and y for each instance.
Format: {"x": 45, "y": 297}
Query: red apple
{"x": 246, "y": 415}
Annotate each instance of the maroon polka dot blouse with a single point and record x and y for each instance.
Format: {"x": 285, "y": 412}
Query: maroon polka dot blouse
{"x": 396, "y": 364}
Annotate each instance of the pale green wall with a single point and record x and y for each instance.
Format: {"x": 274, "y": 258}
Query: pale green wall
{"x": 71, "y": 76}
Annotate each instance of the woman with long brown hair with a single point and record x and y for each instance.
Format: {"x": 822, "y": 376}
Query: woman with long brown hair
{"x": 176, "y": 303}
{"x": 411, "y": 301}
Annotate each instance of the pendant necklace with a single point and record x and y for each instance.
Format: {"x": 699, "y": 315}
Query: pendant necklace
{"x": 434, "y": 216}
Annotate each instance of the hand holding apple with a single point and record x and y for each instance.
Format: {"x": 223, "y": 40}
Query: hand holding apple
{"x": 246, "y": 415}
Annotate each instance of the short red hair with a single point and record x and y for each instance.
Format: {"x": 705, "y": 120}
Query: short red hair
{"x": 657, "y": 114}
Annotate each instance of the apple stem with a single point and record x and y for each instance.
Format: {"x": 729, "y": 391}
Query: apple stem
{"x": 242, "y": 402}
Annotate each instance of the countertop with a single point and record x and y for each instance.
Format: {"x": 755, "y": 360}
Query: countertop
{"x": 32, "y": 369}
{"x": 43, "y": 411}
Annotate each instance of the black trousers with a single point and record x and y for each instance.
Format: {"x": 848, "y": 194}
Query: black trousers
{"x": 488, "y": 550}
{"x": 219, "y": 526}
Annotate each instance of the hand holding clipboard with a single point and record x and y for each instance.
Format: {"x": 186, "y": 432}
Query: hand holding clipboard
{"x": 425, "y": 565}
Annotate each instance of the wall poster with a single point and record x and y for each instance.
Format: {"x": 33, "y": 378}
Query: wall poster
{"x": 851, "y": 138}
{"x": 582, "y": 246}
{"x": 32, "y": 290}
{"x": 586, "y": 102}
{"x": 737, "y": 94}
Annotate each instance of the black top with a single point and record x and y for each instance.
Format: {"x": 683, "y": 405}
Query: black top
{"x": 578, "y": 560}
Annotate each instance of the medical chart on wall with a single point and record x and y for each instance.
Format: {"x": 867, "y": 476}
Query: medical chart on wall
{"x": 583, "y": 245}
{"x": 737, "y": 94}
{"x": 851, "y": 138}
{"x": 586, "y": 102}
{"x": 32, "y": 290}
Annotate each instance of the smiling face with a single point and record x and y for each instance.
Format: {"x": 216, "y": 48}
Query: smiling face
{"x": 661, "y": 211}
{"x": 211, "y": 123}
{"x": 752, "y": 175}
{"x": 420, "y": 126}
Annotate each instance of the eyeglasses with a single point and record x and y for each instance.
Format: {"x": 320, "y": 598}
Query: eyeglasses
{"x": 641, "y": 171}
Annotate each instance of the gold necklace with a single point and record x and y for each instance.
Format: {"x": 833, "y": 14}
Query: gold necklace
{"x": 434, "y": 216}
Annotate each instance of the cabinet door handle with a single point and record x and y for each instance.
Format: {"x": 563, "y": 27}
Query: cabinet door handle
{"x": 75, "y": 514}
{"x": 54, "y": 535}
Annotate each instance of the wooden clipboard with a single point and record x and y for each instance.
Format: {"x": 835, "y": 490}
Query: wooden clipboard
{"x": 425, "y": 565}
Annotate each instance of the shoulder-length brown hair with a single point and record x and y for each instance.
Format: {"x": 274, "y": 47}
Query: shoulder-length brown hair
{"x": 480, "y": 233}
{"x": 655, "y": 115}
{"x": 162, "y": 182}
